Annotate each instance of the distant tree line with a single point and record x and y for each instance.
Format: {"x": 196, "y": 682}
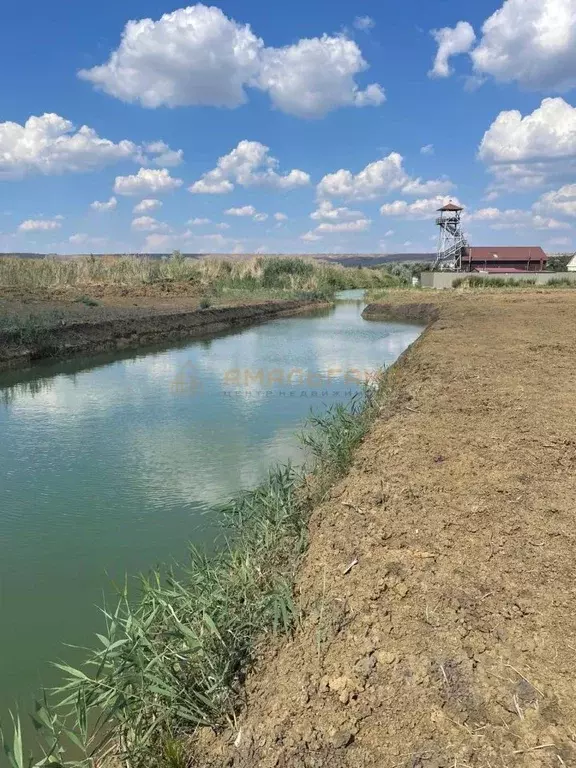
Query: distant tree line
{"x": 558, "y": 262}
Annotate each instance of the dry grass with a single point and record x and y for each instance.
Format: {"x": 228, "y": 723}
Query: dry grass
{"x": 208, "y": 274}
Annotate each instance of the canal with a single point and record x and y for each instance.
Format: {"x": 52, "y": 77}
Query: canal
{"x": 110, "y": 465}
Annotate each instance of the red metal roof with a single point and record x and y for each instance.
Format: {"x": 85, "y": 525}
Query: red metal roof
{"x": 451, "y": 207}
{"x": 494, "y": 254}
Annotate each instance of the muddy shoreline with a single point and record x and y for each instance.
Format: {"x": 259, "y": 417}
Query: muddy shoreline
{"x": 451, "y": 641}
{"x": 131, "y": 330}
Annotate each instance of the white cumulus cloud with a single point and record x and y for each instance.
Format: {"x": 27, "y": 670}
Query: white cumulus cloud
{"x": 310, "y": 237}
{"x": 364, "y": 23}
{"x": 40, "y": 225}
{"x": 146, "y": 181}
{"x": 378, "y": 178}
{"x": 211, "y": 185}
{"x": 189, "y": 241}
{"x": 81, "y": 238}
{"x": 427, "y": 149}
{"x": 148, "y": 224}
{"x": 546, "y": 222}
{"x": 560, "y": 201}
{"x": 78, "y": 238}
{"x": 199, "y": 222}
{"x": 245, "y": 210}
{"x": 102, "y": 207}
{"x": 147, "y": 205}
{"x": 159, "y": 243}
{"x": 451, "y": 42}
{"x": 425, "y": 208}
{"x": 432, "y": 187}
{"x": 159, "y": 153}
{"x": 249, "y": 164}
{"x": 514, "y": 218}
{"x": 314, "y": 76}
{"x": 530, "y": 42}
{"x": 50, "y": 144}
{"x": 326, "y": 211}
{"x": 359, "y": 225}
{"x": 341, "y": 219}
{"x": 192, "y": 56}
{"x": 525, "y": 151}
{"x": 199, "y": 56}
{"x": 280, "y": 216}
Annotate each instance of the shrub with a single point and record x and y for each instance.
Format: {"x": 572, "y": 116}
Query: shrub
{"x": 558, "y": 262}
{"x": 402, "y": 272}
{"x": 278, "y": 272}
{"x": 478, "y": 281}
{"x": 561, "y": 282}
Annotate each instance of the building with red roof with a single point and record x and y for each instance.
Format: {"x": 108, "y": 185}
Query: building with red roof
{"x": 507, "y": 258}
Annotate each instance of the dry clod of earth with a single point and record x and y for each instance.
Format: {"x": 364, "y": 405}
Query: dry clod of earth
{"x": 452, "y": 643}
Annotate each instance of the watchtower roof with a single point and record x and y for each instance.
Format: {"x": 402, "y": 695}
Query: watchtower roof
{"x": 451, "y": 207}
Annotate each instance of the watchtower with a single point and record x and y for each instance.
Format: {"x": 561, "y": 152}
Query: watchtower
{"x": 451, "y": 240}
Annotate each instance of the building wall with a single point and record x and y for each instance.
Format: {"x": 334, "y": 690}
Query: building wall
{"x": 440, "y": 280}
{"x": 533, "y": 266}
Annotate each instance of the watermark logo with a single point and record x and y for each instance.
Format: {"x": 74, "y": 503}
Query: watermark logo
{"x": 187, "y": 380}
{"x": 285, "y": 382}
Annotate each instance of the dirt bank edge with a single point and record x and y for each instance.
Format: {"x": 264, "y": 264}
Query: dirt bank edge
{"x": 445, "y": 643}
{"x": 125, "y": 332}
{"x": 421, "y": 313}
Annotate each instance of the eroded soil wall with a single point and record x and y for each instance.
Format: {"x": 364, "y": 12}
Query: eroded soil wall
{"x": 138, "y": 329}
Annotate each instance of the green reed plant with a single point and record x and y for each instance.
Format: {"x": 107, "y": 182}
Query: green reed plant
{"x": 174, "y": 659}
{"x": 337, "y": 432}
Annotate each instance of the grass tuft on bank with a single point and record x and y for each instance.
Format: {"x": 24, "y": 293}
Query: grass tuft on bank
{"x": 29, "y": 327}
{"x": 175, "y": 659}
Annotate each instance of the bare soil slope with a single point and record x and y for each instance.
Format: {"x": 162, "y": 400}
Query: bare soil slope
{"x": 452, "y": 640}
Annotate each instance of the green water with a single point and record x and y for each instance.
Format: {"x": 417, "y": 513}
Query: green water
{"x": 112, "y": 464}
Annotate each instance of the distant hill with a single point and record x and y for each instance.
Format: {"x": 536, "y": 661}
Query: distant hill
{"x": 24, "y": 255}
{"x": 373, "y": 260}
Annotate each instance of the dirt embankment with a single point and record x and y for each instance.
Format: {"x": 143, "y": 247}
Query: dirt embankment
{"x": 72, "y": 329}
{"x": 409, "y": 312}
{"x": 452, "y": 640}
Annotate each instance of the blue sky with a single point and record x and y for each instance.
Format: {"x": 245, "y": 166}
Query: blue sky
{"x": 339, "y": 127}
